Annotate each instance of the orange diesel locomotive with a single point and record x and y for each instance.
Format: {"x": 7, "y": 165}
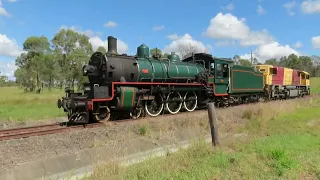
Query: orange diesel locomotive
{"x": 282, "y": 83}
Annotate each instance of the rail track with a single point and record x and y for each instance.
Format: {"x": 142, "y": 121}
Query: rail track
{"x": 23, "y": 132}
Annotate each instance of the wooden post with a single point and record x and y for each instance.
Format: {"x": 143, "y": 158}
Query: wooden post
{"x": 213, "y": 124}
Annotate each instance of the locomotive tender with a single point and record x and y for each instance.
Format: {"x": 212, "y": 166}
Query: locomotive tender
{"x": 143, "y": 85}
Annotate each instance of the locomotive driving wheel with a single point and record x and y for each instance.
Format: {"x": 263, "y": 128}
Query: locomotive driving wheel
{"x": 102, "y": 114}
{"x": 175, "y": 103}
{"x": 155, "y": 106}
{"x": 135, "y": 113}
{"x": 190, "y": 101}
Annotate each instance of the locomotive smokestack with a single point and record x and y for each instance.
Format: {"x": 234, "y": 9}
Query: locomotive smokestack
{"x": 112, "y": 45}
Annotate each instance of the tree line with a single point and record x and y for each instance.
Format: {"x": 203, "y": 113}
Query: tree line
{"x": 58, "y": 62}
{"x": 302, "y": 63}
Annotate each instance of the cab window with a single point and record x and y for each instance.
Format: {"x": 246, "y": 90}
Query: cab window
{"x": 273, "y": 71}
{"x": 219, "y": 73}
{"x": 225, "y": 71}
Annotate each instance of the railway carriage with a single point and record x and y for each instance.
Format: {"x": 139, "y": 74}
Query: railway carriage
{"x": 142, "y": 85}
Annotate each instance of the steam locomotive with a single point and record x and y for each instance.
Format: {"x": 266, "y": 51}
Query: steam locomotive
{"x": 148, "y": 85}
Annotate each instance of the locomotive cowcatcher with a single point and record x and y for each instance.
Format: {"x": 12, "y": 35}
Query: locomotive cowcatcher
{"x": 142, "y": 85}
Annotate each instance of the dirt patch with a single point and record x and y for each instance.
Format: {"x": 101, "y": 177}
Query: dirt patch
{"x": 160, "y": 129}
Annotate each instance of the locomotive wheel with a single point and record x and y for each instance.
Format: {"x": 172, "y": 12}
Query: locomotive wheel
{"x": 190, "y": 101}
{"x": 154, "y": 107}
{"x": 174, "y": 107}
{"x": 103, "y": 114}
{"x": 135, "y": 113}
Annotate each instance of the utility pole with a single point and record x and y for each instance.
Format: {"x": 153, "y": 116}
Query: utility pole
{"x": 251, "y": 57}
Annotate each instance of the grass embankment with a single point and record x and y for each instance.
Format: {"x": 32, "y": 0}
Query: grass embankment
{"x": 17, "y": 105}
{"x": 277, "y": 144}
{"x": 315, "y": 85}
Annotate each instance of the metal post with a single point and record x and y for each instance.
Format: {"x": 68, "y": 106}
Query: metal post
{"x": 213, "y": 124}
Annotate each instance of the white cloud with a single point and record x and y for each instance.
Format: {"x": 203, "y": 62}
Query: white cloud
{"x": 227, "y": 27}
{"x": 298, "y": 45}
{"x": 7, "y": 69}
{"x": 257, "y": 38}
{"x": 311, "y": 6}
{"x": 229, "y": 7}
{"x": 315, "y": 42}
{"x": 96, "y": 41}
{"x": 173, "y": 37}
{"x": 12, "y": 0}
{"x": 260, "y": 10}
{"x": 88, "y": 33}
{"x": 110, "y": 24}
{"x": 289, "y": 7}
{"x": 158, "y": 28}
{"x": 231, "y": 27}
{"x": 9, "y": 47}
{"x": 185, "y": 42}
{"x": 225, "y": 43}
{"x": 4, "y": 12}
{"x": 271, "y": 50}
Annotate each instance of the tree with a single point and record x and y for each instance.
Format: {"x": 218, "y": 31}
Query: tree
{"x": 102, "y": 49}
{"x": 186, "y": 50}
{"x": 245, "y": 62}
{"x": 31, "y": 64}
{"x": 236, "y": 58}
{"x": 72, "y": 49}
{"x": 155, "y": 51}
{"x": 272, "y": 61}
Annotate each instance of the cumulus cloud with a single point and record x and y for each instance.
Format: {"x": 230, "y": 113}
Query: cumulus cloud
{"x": 227, "y": 26}
{"x": 158, "y": 28}
{"x": 88, "y": 33}
{"x": 173, "y": 37}
{"x": 110, "y": 24}
{"x": 186, "y": 43}
{"x": 7, "y": 69}
{"x": 271, "y": 50}
{"x": 4, "y": 12}
{"x": 257, "y": 38}
{"x": 225, "y": 43}
{"x": 315, "y": 42}
{"x": 97, "y": 41}
{"x": 298, "y": 44}
{"x": 9, "y": 47}
{"x": 260, "y": 10}
{"x": 310, "y": 6}
{"x": 229, "y": 7}
{"x": 289, "y": 6}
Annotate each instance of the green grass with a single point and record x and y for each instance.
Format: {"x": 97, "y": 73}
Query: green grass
{"x": 17, "y": 105}
{"x": 286, "y": 146}
{"x": 315, "y": 85}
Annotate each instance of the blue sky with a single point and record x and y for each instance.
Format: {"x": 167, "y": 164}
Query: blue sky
{"x": 270, "y": 28}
